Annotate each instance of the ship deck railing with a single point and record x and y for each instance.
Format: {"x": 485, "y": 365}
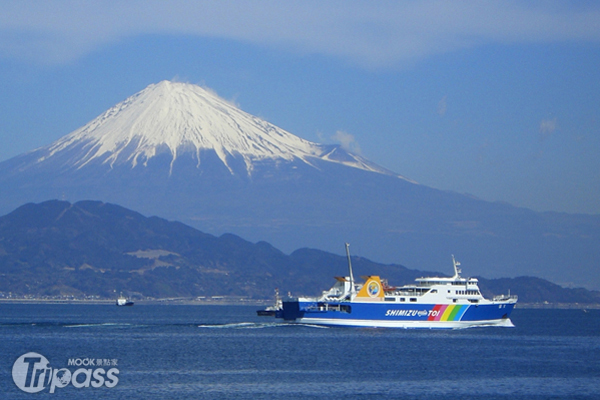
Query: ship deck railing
{"x": 407, "y": 292}
{"x": 505, "y": 297}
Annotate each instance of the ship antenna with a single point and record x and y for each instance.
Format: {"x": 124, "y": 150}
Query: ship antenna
{"x": 457, "y": 270}
{"x": 350, "y": 268}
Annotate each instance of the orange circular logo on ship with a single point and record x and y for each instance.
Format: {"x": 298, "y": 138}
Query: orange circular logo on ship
{"x": 373, "y": 289}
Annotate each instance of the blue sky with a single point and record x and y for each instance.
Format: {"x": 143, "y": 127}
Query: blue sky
{"x": 500, "y": 100}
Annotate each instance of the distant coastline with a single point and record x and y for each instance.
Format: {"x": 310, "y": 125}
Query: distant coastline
{"x": 166, "y": 301}
{"x": 563, "y": 306}
{"x": 255, "y": 302}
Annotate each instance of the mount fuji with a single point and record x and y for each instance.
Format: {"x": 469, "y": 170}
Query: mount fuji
{"x": 181, "y": 120}
{"x": 180, "y": 152}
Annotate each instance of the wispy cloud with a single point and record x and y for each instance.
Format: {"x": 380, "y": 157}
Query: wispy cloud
{"x": 442, "y": 106}
{"x": 547, "y": 128}
{"x": 388, "y": 34}
{"x": 347, "y": 142}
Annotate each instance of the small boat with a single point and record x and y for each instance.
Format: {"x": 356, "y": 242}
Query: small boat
{"x": 123, "y": 301}
{"x": 272, "y": 311}
{"x": 432, "y": 302}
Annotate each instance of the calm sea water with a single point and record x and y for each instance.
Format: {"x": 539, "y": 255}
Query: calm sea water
{"x": 226, "y": 352}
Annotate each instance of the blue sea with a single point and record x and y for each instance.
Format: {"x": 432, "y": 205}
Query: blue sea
{"x": 227, "y": 352}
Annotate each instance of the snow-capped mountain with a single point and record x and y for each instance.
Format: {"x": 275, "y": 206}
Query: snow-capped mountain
{"x": 180, "y": 152}
{"x": 181, "y": 119}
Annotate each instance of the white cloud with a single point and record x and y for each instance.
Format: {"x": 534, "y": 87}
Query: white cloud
{"x": 375, "y": 35}
{"x": 347, "y": 142}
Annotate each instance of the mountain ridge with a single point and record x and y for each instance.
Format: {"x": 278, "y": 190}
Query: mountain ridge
{"x": 57, "y": 248}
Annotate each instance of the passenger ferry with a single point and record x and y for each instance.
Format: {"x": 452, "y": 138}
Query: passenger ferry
{"x": 432, "y": 302}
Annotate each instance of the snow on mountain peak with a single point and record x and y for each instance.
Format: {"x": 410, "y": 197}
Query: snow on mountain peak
{"x": 181, "y": 118}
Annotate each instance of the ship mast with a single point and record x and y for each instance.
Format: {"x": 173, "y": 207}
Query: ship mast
{"x": 350, "y": 268}
{"x": 457, "y": 270}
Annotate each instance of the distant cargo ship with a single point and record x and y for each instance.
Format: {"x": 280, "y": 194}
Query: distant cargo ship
{"x": 274, "y": 310}
{"x": 432, "y": 302}
{"x": 123, "y": 301}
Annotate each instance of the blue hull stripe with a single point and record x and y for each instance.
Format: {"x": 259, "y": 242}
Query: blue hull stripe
{"x": 382, "y": 311}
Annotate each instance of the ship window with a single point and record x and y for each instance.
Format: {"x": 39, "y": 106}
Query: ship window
{"x": 390, "y": 299}
{"x": 434, "y": 291}
{"x": 454, "y": 300}
{"x": 402, "y": 299}
{"x": 413, "y": 299}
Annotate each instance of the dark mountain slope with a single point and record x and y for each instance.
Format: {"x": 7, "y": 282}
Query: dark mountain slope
{"x": 96, "y": 248}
